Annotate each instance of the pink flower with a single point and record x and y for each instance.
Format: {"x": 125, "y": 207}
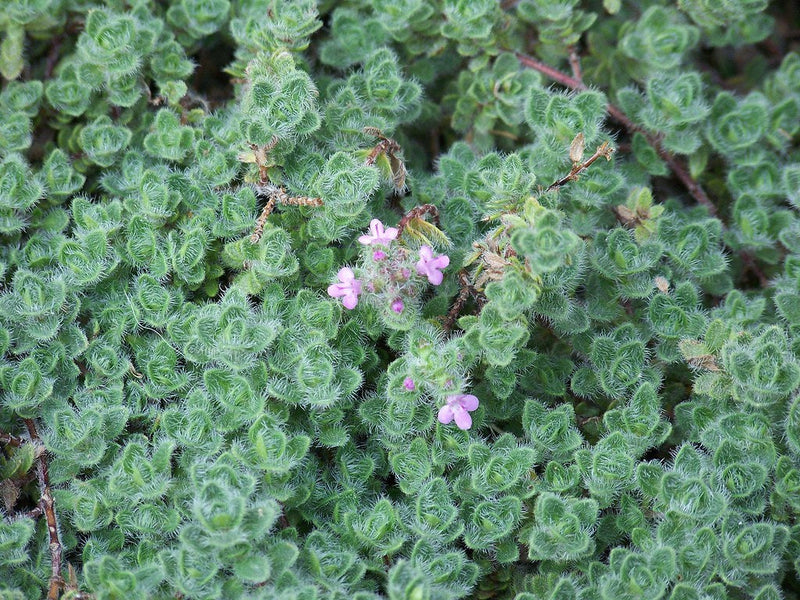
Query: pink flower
{"x": 378, "y": 255}
{"x": 429, "y": 265}
{"x": 458, "y": 407}
{"x": 397, "y": 306}
{"x": 408, "y": 383}
{"x": 379, "y": 235}
{"x": 348, "y": 290}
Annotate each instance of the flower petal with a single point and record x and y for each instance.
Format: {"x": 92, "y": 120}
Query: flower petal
{"x": 337, "y": 290}
{"x": 469, "y": 402}
{"x": 346, "y": 275}
{"x": 435, "y": 277}
{"x": 445, "y": 414}
{"x": 378, "y": 234}
{"x": 350, "y": 301}
{"x": 463, "y": 420}
{"x": 441, "y": 261}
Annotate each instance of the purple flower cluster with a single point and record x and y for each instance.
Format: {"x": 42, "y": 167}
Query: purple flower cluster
{"x": 392, "y": 276}
{"x": 389, "y": 271}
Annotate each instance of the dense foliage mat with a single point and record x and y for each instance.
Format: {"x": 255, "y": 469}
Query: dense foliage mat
{"x": 405, "y": 299}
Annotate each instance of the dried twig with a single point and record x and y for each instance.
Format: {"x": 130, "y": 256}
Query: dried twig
{"x": 385, "y": 145}
{"x": 260, "y": 154}
{"x": 47, "y": 504}
{"x": 391, "y": 150}
{"x": 674, "y": 164}
{"x": 416, "y": 213}
{"x": 604, "y": 150}
{"x": 262, "y": 220}
{"x": 281, "y": 196}
{"x": 277, "y": 195}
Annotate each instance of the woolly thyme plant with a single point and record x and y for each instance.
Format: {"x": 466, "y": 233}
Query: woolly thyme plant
{"x": 413, "y": 300}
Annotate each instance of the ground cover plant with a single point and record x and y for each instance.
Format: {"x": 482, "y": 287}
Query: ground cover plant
{"x": 409, "y": 299}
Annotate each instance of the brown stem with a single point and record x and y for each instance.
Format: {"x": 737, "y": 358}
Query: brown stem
{"x": 695, "y": 189}
{"x": 716, "y": 78}
{"x": 773, "y": 50}
{"x": 575, "y": 64}
{"x": 34, "y": 513}
{"x": 461, "y": 299}
{"x": 674, "y": 164}
{"x": 554, "y": 74}
{"x": 750, "y": 263}
{"x": 47, "y": 504}
{"x": 506, "y": 134}
{"x": 52, "y": 56}
{"x": 9, "y": 439}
